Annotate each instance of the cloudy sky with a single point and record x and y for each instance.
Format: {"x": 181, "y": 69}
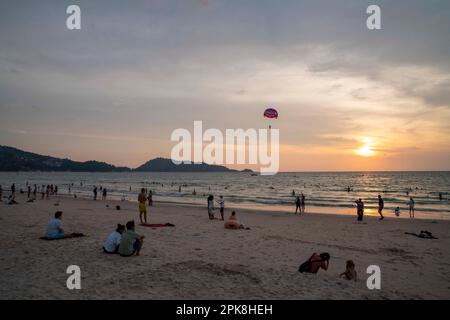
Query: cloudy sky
{"x": 349, "y": 98}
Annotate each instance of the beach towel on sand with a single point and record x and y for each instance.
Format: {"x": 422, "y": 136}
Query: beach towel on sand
{"x": 69, "y": 236}
{"x": 156, "y": 225}
{"x": 422, "y": 235}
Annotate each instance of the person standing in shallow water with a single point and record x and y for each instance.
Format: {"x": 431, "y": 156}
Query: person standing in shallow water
{"x": 360, "y": 209}
{"x": 380, "y": 207}
{"x": 302, "y": 199}
{"x": 150, "y": 198}
{"x": 298, "y": 207}
{"x": 411, "y": 207}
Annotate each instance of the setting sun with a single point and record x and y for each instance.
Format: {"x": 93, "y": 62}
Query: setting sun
{"x": 365, "y": 151}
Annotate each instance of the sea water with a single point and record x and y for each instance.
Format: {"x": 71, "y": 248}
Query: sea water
{"x": 325, "y": 192}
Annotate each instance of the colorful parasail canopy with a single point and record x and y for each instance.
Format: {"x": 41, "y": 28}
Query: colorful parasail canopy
{"x": 271, "y": 113}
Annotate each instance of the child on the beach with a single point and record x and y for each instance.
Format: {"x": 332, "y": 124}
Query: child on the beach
{"x": 349, "y": 273}
{"x": 221, "y": 202}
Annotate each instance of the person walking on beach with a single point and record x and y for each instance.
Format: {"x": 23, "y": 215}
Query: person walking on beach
{"x": 221, "y": 202}
{"x": 211, "y": 207}
{"x": 28, "y": 192}
{"x": 34, "y": 192}
{"x": 142, "y": 208}
{"x": 13, "y": 189}
{"x": 56, "y": 190}
{"x": 380, "y": 207}
{"x": 47, "y": 192}
{"x": 302, "y": 199}
{"x": 360, "y": 209}
{"x": 95, "y": 192}
{"x": 104, "y": 194}
{"x": 298, "y": 205}
{"x": 411, "y": 207}
{"x": 150, "y": 198}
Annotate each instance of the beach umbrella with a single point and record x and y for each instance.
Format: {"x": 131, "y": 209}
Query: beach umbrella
{"x": 271, "y": 113}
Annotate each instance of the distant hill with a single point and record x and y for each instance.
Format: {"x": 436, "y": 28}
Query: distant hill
{"x": 166, "y": 165}
{"x": 12, "y": 159}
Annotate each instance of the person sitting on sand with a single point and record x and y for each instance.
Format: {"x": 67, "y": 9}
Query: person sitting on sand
{"x": 349, "y": 273}
{"x": 233, "y": 223}
{"x": 142, "y": 208}
{"x": 54, "y": 227}
{"x": 397, "y": 211}
{"x": 112, "y": 243}
{"x": 131, "y": 242}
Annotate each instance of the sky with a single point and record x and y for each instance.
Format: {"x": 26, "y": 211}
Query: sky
{"x": 348, "y": 98}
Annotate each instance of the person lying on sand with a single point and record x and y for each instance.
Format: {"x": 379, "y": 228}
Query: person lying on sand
{"x": 233, "y": 223}
{"x": 349, "y": 273}
{"x": 112, "y": 243}
{"x": 131, "y": 243}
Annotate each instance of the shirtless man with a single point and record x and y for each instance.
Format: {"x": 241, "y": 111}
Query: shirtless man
{"x": 142, "y": 198}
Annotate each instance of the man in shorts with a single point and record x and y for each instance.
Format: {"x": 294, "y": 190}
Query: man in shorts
{"x": 142, "y": 207}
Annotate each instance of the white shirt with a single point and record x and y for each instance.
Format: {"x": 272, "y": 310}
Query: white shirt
{"x": 53, "y": 227}
{"x": 112, "y": 241}
{"x": 222, "y": 204}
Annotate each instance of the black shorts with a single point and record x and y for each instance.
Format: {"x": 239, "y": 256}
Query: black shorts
{"x": 137, "y": 245}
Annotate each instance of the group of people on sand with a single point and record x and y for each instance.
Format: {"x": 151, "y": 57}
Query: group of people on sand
{"x": 322, "y": 261}
{"x": 300, "y": 203}
{"x": 210, "y": 205}
{"x": 232, "y": 221}
{"x": 103, "y": 190}
{"x": 360, "y": 208}
{"x": 124, "y": 241}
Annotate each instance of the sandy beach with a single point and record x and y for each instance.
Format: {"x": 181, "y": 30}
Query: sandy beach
{"x": 199, "y": 259}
